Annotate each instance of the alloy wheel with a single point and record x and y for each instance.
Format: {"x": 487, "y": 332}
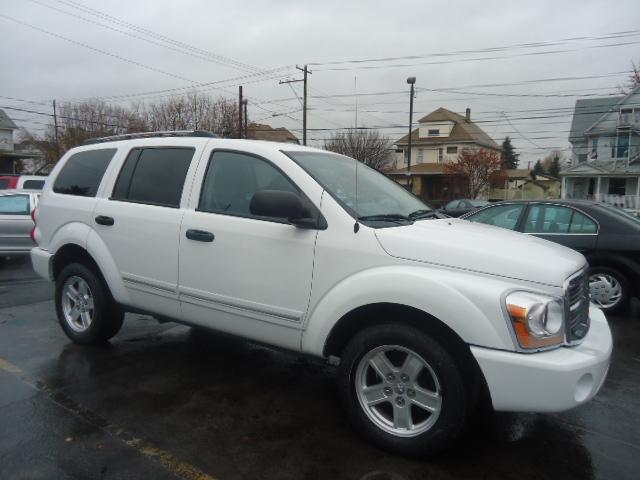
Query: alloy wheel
{"x": 398, "y": 390}
{"x": 77, "y": 303}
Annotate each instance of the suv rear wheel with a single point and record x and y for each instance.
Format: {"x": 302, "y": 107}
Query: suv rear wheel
{"x": 85, "y": 309}
{"x": 403, "y": 389}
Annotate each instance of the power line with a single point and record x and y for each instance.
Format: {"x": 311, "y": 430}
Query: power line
{"x": 504, "y": 48}
{"x": 163, "y": 38}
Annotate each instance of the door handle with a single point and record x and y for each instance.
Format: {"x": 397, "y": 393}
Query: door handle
{"x": 104, "y": 220}
{"x": 200, "y": 235}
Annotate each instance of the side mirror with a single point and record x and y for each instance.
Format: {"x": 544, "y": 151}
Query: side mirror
{"x": 279, "y": 204}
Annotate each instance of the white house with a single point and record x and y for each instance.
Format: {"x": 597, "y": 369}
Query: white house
{"x": 605, "y": 140}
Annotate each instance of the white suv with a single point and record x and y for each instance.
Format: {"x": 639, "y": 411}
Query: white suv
{"x": 314, "y": 252}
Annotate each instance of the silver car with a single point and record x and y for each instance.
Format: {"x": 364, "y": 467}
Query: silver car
{"x": 15, "y": 220}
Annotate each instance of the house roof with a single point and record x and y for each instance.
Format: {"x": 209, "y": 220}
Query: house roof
{"x": 462, "y": 131}
{"x": 421, "y": 169}
{"x": 6, "y": 123}
{"x": 262, "y": 131}
{"x": 599, "y": 167}
{"x": 523, "y": 173}
{"x": 588, "y": 111}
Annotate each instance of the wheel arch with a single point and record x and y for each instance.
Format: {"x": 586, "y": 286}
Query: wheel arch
{"x": 627, "y": 266}
{"x": 380, "y": 313}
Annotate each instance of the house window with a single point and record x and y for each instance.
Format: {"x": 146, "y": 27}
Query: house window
{"x": 622, "y": 147}
{"x": 435, "y": 132}
{"x": 440, "y": 155}
{"x": 594, "y": 148}
{"x": 582, "y": 157}
{"x": 636, "y": 116}
{"x": 420, "y": 155}
{"x": 617, "y": 186}
{"x": 452, "y": 150}
{"x": 625, "y": 116}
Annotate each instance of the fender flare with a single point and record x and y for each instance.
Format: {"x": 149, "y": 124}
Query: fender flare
{"x": 428, "y": 290}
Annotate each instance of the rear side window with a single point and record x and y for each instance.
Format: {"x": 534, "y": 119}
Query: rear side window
{"x": 154, "y": 176}
{"x": 14, "y": 205}
{"x": 33, "y": 184}
{"x": 83, "y": 172}
{"x": 548, "y": 219}
{"x": 4, "y": 183}
{"x": 582, "y": 224}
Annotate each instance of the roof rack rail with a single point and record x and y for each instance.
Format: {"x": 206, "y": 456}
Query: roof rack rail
{"x": 168, "y": 133}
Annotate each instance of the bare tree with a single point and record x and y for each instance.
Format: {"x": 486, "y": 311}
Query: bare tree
{"x": 633, "y": 80}
{"x": 192, "y": 112}
{"x": 477, "y": 169}
{"x": 80, "y": 121}
{"x": 367, "y": 146}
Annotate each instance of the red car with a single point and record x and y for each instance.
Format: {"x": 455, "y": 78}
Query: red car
{"x": 8, "y": 181}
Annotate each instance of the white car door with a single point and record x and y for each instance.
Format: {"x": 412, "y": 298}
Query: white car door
{"x": 239, "y": 273}
{"x": 139, "y": 223}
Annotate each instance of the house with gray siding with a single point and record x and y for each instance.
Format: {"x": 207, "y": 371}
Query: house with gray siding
{"x": 605, "y": 141}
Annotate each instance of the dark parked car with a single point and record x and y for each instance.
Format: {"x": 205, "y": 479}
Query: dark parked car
{"x": 456, "y": 208}
{"x": 608, "y": 237}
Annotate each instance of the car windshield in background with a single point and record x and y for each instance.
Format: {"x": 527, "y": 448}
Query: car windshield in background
{"x": 375, "y": 199}
{"x": 478, "y": 203}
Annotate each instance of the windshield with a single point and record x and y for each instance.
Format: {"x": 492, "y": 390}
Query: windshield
{"x": 374, "y": 195}
{"x": 478, "y": 203}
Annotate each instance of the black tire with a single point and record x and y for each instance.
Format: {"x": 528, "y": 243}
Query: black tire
{"x": 623, "y": 304}
{"x": 106, "y": 315}
{"x": 454, "y": 397}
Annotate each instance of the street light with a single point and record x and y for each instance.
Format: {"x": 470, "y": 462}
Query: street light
{"x": 411, "y": 81}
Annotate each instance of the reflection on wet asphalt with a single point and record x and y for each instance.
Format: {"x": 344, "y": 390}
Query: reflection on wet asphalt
{"x": 166, "y": 401}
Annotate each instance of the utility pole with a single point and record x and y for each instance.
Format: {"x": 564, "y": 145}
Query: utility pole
{"x": 55, "y": 127}
{"x": 240, "y": 111}
{"x": 304, "y": 79}
{"x": 411, "y": 81}
{"x": 246, "y": 121}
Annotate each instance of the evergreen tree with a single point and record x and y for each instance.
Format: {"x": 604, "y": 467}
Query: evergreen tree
{"x": 509, "y": 156}
{"x": 554, "y": 168}
{"x": 538, "y": 168}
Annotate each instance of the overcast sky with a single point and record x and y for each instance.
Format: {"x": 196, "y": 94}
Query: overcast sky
{"x": 230, "y": 39}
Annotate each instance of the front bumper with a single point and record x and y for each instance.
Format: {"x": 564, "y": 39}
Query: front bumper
{"x": 41, "y": 261}
{"x": 550, "y": 381}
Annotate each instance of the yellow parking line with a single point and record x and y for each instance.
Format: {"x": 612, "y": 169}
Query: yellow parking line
{"x": 168, "y": 461}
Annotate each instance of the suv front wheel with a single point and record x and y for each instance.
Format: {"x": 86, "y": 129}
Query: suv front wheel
{"x": 85, "y": 309}
{"x": 403, "y": 389}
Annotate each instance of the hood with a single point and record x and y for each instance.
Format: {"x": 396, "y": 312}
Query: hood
{"x": 482, "y": 248}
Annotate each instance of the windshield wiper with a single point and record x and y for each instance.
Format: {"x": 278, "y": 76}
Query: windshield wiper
{"x": 422, "y": 214}
{"x": 386, "y": 217}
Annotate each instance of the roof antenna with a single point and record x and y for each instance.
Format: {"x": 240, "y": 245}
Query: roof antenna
{"x": 356, "y": 226}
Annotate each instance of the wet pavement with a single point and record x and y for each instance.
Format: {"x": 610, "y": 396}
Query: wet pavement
{"x": 166, "y": 401}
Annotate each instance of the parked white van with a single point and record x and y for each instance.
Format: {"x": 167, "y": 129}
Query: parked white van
{"x": 314, "y": 252}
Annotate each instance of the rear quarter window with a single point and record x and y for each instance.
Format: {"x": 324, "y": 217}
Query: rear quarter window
{"x": 83, "y": 172}
{"x": 14, "y": 205}
{"x": 33, "y": 184}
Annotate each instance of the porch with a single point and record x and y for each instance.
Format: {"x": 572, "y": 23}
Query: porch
{"x": 619, "y": 191}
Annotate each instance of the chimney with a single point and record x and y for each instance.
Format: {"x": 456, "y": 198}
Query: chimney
{"x": 467, "y": 115}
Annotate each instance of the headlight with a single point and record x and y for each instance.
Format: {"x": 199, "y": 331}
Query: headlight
{"x": 537, "y": 320}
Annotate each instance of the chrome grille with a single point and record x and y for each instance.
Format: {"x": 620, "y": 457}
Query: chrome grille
{"x": 577, "y": 307}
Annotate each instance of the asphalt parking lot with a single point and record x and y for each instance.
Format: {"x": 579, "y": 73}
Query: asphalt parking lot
{"x": 166, "y": 401}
